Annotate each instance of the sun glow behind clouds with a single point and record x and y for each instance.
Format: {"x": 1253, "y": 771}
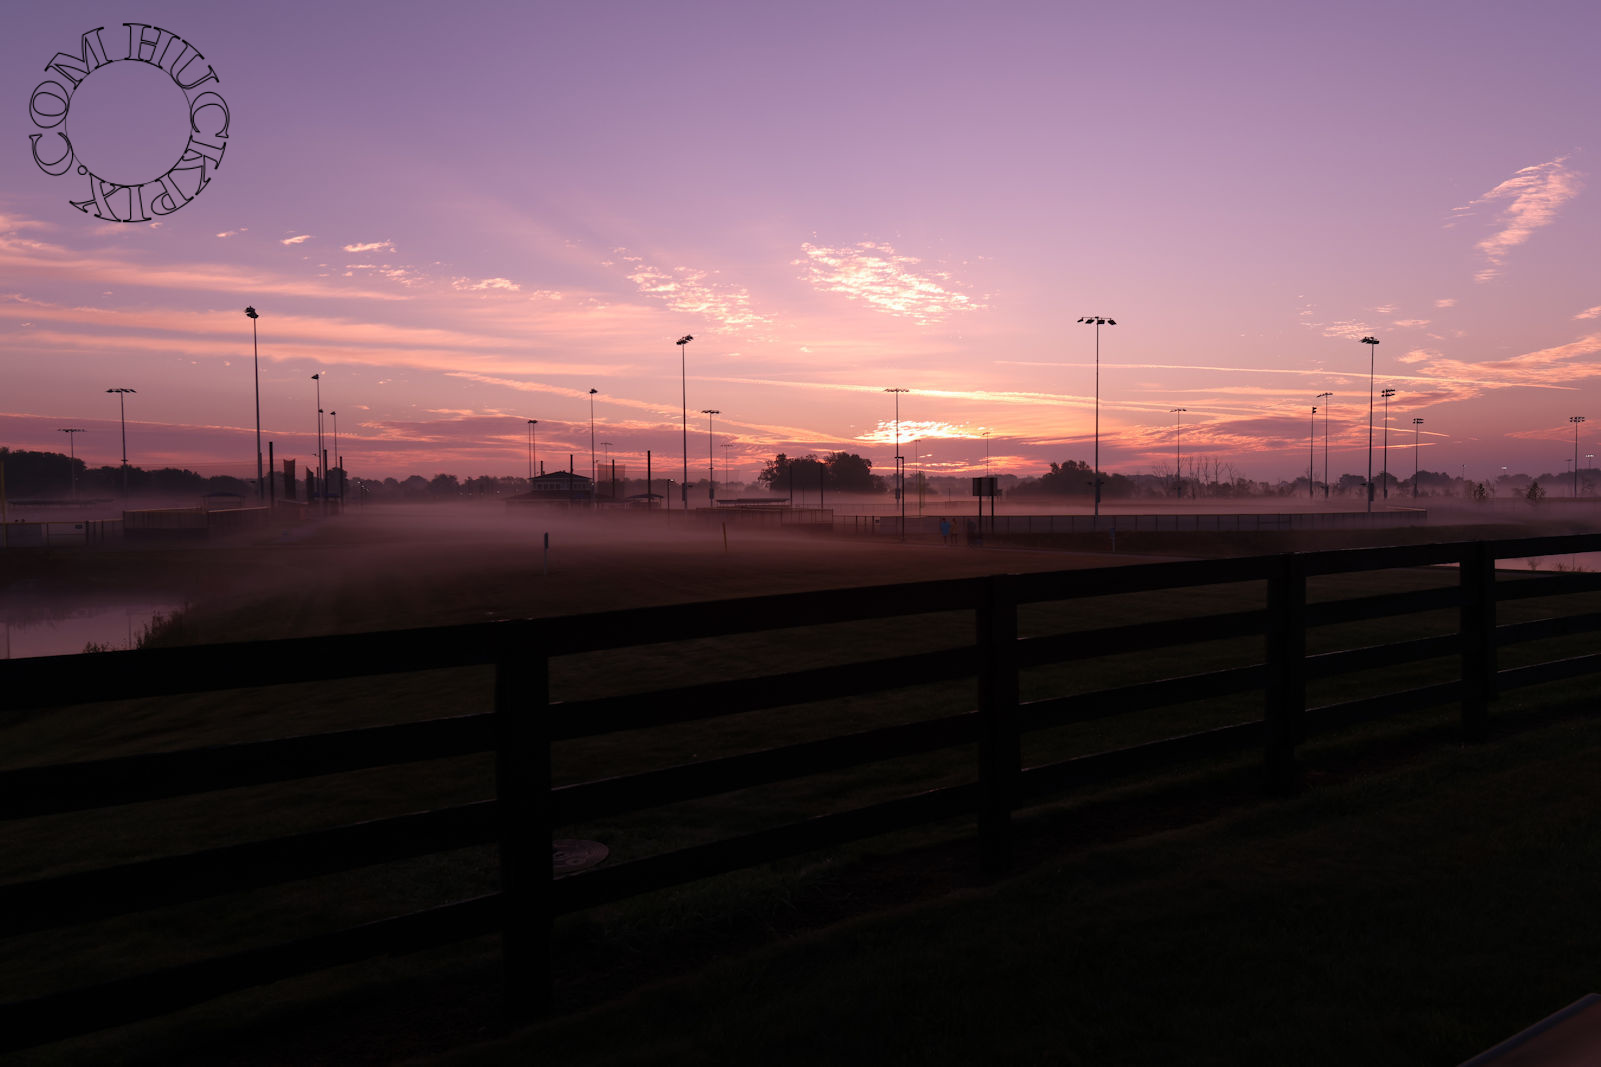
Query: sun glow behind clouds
{"x": 918, "y": 429}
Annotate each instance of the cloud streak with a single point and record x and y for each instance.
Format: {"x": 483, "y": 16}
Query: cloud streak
{"x": 877, "y": 275}
{"x": 695, "y": 292}
{"x": 1534, "y": 196}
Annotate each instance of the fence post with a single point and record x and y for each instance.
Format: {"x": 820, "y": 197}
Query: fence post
{"x": 1477, "y": 627}
{"x": 1286, "y": 671}
{"x": 1000, "y": 747}
{"x": 523, "y": 812}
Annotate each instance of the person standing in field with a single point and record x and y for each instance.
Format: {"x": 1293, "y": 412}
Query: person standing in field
{"x": 945, "y": 531}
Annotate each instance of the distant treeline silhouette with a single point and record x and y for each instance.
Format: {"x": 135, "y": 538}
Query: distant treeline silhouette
{"x": 51, "y": 474}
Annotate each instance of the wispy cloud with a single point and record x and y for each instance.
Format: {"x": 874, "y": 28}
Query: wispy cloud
{"x": 1549, "y": 368}
{"x": 884, "y": 279}
{"x": 1590, "y": 313}
{"x": 468, "y": 285}
{"x": 695, "y": 292}
{"x": 1445, "y": 302}
{"x": 371, "y": 246}
{"x": 1535, "y": 195}
{"x": 1410, "y": 322}
{"x": 233, "y": 233}
{"x": 298, "y": 239}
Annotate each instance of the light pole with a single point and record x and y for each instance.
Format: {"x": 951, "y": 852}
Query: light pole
{"x": 1097, "y": 321}
{"x": 322, "y": 457}
{"x": 255, "y": 358}
{"x": 1589, "y": 459}
{"x": 1325, "y": 397}
{"x": 900, "y": 477}
{"x": 683, "y": 385}
{"x": 1372, "y": 343}
{"x": 122, "y": 407}
{"x": 1386, "y": 394}
{"x": 339, "y": 461}
{"x": 605, "y": 463}
{"x": 1311, "y": 456}
{"x": 1576, "y": 419}
{"x": 72, "y": 458}
{"x": 1415, "y": 424}
{"x": 1178, "y": 450}
{"x": 711, "y": 452}
{"x": 726, "y": 446}
{"x": 593, "y": 498}
{"x": 531, "y": 424}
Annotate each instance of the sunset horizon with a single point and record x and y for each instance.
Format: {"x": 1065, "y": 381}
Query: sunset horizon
{"x": 462, "y": 250}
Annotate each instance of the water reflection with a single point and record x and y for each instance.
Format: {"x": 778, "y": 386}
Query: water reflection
{"x": 62, "y": 627}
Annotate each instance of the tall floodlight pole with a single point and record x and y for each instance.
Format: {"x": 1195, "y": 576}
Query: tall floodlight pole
{"x": 900, "y": 466}
{"x": 1178, "y": 450}
{"x": 255, "y": 357}
{"x": 726, "y": 446}
{"x": 1311, "y": 456}
{"x": 72, "y": 458}
{"x": 1576, "y": 419}
{"x": 1385, "y": 478}
{"x": 605, "y": 465}
{"x": 322, "y": 475}
{"x": 339, "y": 461}
{"x": 711, "y": 451}
{"x": 531, "y": 424}
{"x": 1372, "y": 343}
{"x": 683, "y": 384}
{"x": 122, "y": 408}
{"x": 1097, "y": 321}
{"x": 592, "y": 496}
{"x": 1415, "y": 424}
{"x": 1325, "y": 398}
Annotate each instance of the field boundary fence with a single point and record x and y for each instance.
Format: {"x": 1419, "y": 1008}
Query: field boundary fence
{"x": 889, "y": 524}
{"x": 60, "y": 533}
{"x": 521, "y": 725}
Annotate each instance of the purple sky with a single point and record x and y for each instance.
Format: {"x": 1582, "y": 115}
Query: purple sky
{"x": 466, "y": 216}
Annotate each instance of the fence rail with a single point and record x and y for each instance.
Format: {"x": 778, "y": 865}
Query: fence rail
{"x": 522, "y": 726}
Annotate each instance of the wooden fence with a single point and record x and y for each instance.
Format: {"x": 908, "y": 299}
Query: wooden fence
{"x": 523, "y": 725}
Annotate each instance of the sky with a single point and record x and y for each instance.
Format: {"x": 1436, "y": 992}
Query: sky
{"x": 466, "y": 216}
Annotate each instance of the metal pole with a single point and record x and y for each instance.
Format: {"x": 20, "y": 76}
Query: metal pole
{"x": 1576, "y": 419}
{"x": 255, "y": 355}
{"x": 1311, "y": 456}
{"x": 321, "y": 474}
{"x": 72, "y": 459}
{"x": 683, "y": 384}
{"x": 122, "y": 409}
{"x": 1385, "y": 478}
{"x": 1415, "y": 424}
{"x": 1178, "y": 451}
{"x": 1097, "y": 321}
{"x": 711, "y": 451}
{"x": 1372, "y": 343}
{"x": 594, "y": 497}
{"x": 1325, "y": 398}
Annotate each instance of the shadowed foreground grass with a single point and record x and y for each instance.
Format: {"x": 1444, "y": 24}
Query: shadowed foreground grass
{"x": 1415, "y": 916}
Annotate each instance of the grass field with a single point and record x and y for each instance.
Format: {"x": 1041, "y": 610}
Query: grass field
{"x": 1116, "y": 945}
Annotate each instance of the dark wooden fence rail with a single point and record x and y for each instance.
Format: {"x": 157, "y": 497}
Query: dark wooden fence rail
{"x": 524, "y": 724}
